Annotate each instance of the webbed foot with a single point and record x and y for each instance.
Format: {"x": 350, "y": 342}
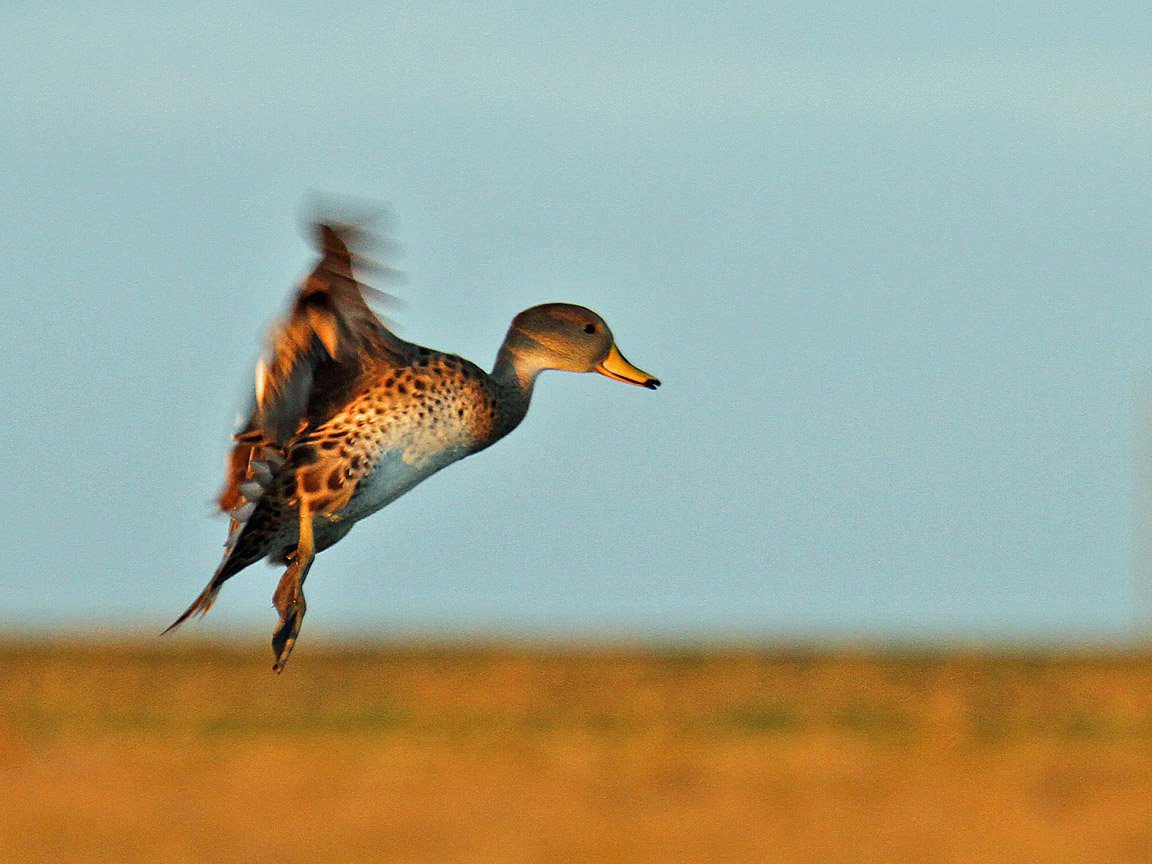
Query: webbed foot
{"x": 289, "y": 602}
{"x": 291, "y": 617}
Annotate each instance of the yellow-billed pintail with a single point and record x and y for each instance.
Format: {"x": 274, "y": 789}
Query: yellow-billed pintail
{"x": 347, "y": 417}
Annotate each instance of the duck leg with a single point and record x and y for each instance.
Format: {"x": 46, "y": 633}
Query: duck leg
{"x": 289, "y": 596}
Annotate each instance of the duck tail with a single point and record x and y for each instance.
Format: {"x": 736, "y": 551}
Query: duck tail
{"x": 200, "y": 605}
{"x": 237, "y": 555}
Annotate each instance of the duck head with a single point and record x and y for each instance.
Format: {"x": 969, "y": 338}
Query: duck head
{"x": 569, "y": 338}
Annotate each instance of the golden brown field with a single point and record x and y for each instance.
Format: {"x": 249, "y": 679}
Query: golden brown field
{"x": 185, "y": 752}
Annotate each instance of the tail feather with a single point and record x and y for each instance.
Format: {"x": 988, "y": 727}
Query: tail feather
{"x": 234, "y": 561}
{"x": 200, "y": 605}
{"x": 238, "y": 554}
{"x": 227, "y": 568}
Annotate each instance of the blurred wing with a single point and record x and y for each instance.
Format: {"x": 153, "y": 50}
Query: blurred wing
{"x": 315, "y": 357}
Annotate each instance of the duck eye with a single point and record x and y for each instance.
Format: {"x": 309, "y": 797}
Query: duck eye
{"x": 589, "y": 328}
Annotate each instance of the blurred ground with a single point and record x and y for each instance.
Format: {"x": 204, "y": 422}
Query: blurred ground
{"x": 180, "y": 752}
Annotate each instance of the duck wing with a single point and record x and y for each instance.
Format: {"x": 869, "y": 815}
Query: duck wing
{"x": 317, "y": 356}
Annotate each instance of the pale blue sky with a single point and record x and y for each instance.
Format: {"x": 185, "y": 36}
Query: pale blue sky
{"x": 891, "y": 263}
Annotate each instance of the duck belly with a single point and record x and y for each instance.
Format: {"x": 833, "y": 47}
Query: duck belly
{"x": 390, "y": 477}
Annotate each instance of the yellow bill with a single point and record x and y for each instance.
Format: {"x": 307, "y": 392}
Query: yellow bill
{"x": 616, "y": 367}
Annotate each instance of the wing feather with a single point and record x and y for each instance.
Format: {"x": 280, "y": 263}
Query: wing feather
{"x": 316, "y": 355}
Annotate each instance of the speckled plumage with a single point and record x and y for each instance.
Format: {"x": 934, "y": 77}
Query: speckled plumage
{"x": 426, "y": 411}
{"x": 347, "y": 417}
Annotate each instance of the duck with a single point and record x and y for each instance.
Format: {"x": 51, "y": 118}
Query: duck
{"x": 346, "y": 416}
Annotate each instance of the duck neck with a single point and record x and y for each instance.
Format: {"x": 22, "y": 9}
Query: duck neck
{"x": 513, "y": 378}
